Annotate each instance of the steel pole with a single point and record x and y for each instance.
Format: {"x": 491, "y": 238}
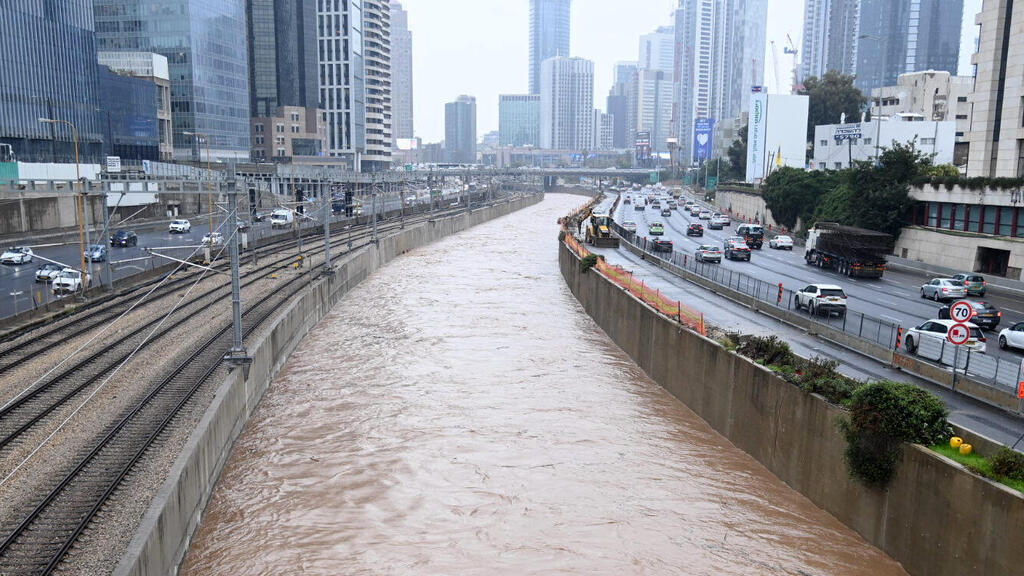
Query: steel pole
{"x": 373, "y": 203}
{"x": 328, "y": 270}
{"x": 109, "y": 280}
{"x": 237, "y": 349}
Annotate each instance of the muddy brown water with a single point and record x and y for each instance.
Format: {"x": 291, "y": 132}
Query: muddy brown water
{"x": 459, "y": 413}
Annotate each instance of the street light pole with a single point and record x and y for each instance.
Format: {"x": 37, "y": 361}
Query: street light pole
{"x": 82, "y": 232}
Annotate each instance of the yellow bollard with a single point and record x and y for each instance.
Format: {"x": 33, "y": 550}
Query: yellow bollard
{"x": 965, "y": 449}
{"x": 955, "y": 442}
{"x": 273, "y": 275}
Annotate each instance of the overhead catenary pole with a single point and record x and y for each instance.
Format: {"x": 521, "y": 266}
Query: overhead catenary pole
{"x": 237, "y": 353}
{"x": 108, "y": 281}
{"x": 327, "y": 200}
{"x": 82, "y": 231}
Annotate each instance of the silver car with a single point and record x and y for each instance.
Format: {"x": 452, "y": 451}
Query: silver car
{"x": 943, "y": 289}
{"x": 708, "y": 253}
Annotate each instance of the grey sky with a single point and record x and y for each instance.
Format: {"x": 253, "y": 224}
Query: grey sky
{"x": 481, "y": 48}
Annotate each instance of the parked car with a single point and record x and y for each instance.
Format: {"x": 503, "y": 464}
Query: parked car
{"x": 17, "y": 255}
{"x": 95, "y": 253}
{"x": 1012, "y": 337}
{"x": 943, "y": 289}
{"x": 666, "y": 212}
{"x": 707, "y": 253}
{"x": 704, "y": 215}
{"x": 975, "y": 283}
{"x": 781, "y": 242}
{"x": 124, "y": 238}
{"x": 984, "y": 314}
{"x": 821, "y": 299}
{"x": 734, "y": 250}
{"x": 695, "y": 229}
{"x": 937, "y": 330}
{"x": 67, "y": 281}
{"x": 213, "y": 239}
{"x": 629, "y": 226}
{"x": 656, "y": 229}
{"x": 47, "y": 272}
{"x": 661, "y": 245}
{"x": 179, "y": 226}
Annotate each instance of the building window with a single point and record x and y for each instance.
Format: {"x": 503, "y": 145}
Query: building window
{"x": 1006, "y": 214}
{"x": 961, "y": 116}
{"x": 259, "y": 128}
{"x": 280, "y": 151}
{"x": 974, "y": 218}
{"x": 839, "y": 166}
{"x": 867, "y": 141}
{"x": 280, "y": 127}
{"x": 295, "y": 116}
{"x": 946, "y": 211}
{"x": 959, "y": 134}
{"x": 295, "y": 128}
{"x": 960, "y": 220}
{"x": 1018, "y": 229}
{"x": 961, "y": 98}
{"x": 989, "y": 221}
{"x": 933, "y": 214}
{"x": 824, "y": 142}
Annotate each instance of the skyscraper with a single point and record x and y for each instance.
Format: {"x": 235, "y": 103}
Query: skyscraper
{"x": 618, "y": 104}
{"x": 43, "y": 46}
{"x": 519, "y": 120}
{"x": 282, "y": 55}
{"x": 206, "y": 48}
{"x": 377, "y": 58}
{"x": 740, "y": 38}
{"x": 566, "y": 103}
{"x": 652, "y": 93}
{"x": 694, "y": 29}
{"x": 549, "y": 35}
{"x": 401, "y": 73}
{"x": 460, "y": 130}
{"x": 342, "y": 79}
{"x": 657, "y": 49}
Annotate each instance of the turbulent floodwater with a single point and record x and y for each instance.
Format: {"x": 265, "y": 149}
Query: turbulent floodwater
{"x": 459, "y": 413}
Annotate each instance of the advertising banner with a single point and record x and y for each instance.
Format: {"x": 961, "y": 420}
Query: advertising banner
{"x": 703, "y": 130}
{"x": 755, "y": 135}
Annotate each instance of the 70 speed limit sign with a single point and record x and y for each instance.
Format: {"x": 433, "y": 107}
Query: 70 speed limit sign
{"x": 961, "y": 311}
{"x": 958, "y": 334}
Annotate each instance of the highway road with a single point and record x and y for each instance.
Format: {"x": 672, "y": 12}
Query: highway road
{"x": 127, "y": 261}
{"x": 895, "y": 297}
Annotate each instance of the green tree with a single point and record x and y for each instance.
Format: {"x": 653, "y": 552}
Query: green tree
{"x": 829, "y": 97}
{"x": 793, "y": 194}
{"x": 738, "y": 156}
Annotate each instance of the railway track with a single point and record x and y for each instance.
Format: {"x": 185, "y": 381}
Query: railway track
{"x": 44, "y": 529}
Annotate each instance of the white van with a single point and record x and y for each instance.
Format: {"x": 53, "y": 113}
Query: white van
{"x": 281, "y": 218}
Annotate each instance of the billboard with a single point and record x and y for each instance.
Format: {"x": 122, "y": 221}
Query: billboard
{"x": 772, "y": 140}
{"x": 703, "y": 129}
{"x": 755, "y": 135}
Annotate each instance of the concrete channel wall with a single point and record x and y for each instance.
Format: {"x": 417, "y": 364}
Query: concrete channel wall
{"x": 162, "y": 539}
{"x": 935, "y": 518}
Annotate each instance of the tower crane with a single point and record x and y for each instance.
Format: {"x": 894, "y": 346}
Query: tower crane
{"x": 775, "y": 66}
{"x": 791, "y": 49}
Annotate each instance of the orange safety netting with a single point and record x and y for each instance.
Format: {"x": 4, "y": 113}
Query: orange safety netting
{"x": 672, "y": 308}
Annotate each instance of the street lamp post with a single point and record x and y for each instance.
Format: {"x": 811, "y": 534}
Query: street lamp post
{"x": 209, "y": 196}
{"x": 82, "y": 232}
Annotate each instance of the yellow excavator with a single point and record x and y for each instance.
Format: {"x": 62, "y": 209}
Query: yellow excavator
{"x": 599, "y": 230}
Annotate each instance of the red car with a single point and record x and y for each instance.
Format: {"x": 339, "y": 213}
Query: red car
{"x": 695, "y": 230}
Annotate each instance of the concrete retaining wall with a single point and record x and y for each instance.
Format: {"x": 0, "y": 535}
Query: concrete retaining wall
{"x": 935, "y": 518}
{"x": 744, "y": 205}
{"x": 162, "y": 539}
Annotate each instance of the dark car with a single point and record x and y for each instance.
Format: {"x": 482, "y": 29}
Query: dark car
{"x": 736, "y": 250}
{"x": 666, "y": 212}
{"x": 124, "y": 238}
{"x": 975, "y": 283}
{"x": 695, "y": 230}
{"x": 985, "y": 315}
{"x": 259, "y": 216}
{"x": 661, "y": 245}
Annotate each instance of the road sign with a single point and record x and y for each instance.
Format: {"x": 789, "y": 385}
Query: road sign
{"x": 961, "y": 311}
{"x": 958, "y": 334}
{"x": 1020, "y": 389}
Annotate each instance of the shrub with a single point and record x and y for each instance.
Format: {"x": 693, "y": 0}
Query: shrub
{"x": 588, "y": 262}
{"x": 769, "y": 350}
{"x": 1008, "y": 463}
{"x": 884, "y": 415}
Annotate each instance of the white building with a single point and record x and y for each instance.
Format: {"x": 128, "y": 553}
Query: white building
{"x": 653, "y": 98}
{"x": 835, "y": 145}
{"x": 566, "y": 103}
{"x": 658, "y": 50}
{"x": 604, "y": 131}
{"x": 377, "y": 89}
{"x": 774, "y": 135}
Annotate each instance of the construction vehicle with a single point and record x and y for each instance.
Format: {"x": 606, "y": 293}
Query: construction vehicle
{"x": 852, "y": 251}
{"x": 599, "y": 230}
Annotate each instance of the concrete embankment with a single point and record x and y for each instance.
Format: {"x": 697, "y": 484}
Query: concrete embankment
{"x": 162, "y": 539}
{"x": 935, "y": 518}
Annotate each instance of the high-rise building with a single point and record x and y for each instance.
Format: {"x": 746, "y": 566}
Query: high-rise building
{"x": 153, "y": 68}
{"x": 377, "y": 58}
{"x": 618, "y": 104}
{"x": 43, "y": 45}
{"x": 206, "y": 48}
{"x": 282, "y": 55}
{"x": 877, "y": 40}
{"x": 654, "y": 96}
{"x": 401, "y": 74}
{"x": 740, "y": 38}
{"x": 658, "y": 49}
{"x": 566, "y": 103}
{"x": 549, "y": 35}
{"x": 603, "y": 131}
{"x": 996, "y": 147}
{"x": 695, "y": 38}
{"x": 519, "y": 119}
{"x": 460, "y": 130}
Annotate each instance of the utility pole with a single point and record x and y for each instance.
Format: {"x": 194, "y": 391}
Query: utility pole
{"x": 109, "y": 280}
{"x": 373, "y": 203}
{"x": 237, "y": 353}
{"x": 327, "y": 200}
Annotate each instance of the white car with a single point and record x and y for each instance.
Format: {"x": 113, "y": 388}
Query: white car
{"x": 1012, "y": 337}
{"x": 704, "y": 215}
{"x": 721, "y": 220}
{"x": 16, "y": 255}
{"x": 821, "y": 299}
{"x": 67, "y": 281}
{"x": 936, "y": 331}
{"x": 179, "y": 227}
{"x": 708, "y": 253}
{"x": 629, "y": 226}
{"x": 781, "y": 243}
{"x": 213, "y": 239}
{"x": 943, "y": 289}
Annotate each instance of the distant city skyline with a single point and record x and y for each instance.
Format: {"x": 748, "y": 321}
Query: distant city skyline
{"x": 491, "y": 55}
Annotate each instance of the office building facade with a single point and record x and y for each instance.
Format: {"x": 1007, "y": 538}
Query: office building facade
{"x": 695, "y": 38}
{"x": 152, "y": 68}
{"x": 549, "y": 35}
{"x": 282, "y": 55}
{"x": 460, "y": 130}
{"x": 292, "y": 131}
{"x": 341, "y": 78}
{"x": 45, "y": 44}
{"x": 620, "y": 95}
{"x": 519, "y": 120}
{"x": 377, "y": 58}
{"x": 207, "y": 52}
{"x": 401, "y": 74}
{"x": 566, "y": 103}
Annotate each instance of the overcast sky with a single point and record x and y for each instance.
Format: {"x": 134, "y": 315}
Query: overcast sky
{"x": 481, "y": 48}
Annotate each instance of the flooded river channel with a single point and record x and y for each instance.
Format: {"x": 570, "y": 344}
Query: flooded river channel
{"x": 459, "y": 413}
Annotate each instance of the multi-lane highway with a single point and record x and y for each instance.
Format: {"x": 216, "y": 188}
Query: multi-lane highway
{"x": 895, "y": 297}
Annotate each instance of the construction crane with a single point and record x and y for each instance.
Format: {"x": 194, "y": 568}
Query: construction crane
{"x": 791, "y": 49}
{"x": 775, "y": 66}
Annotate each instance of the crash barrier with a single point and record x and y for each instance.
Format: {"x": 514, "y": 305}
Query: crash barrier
{"x": 654, "y": 298}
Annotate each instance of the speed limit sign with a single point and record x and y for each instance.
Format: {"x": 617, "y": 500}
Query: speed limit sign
{"x": 958, "y": 334}
{"x": 961, "y": 311}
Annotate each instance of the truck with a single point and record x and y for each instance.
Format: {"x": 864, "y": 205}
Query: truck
{"x": 851, "y": 251}
{"x": 281, "y": 218}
